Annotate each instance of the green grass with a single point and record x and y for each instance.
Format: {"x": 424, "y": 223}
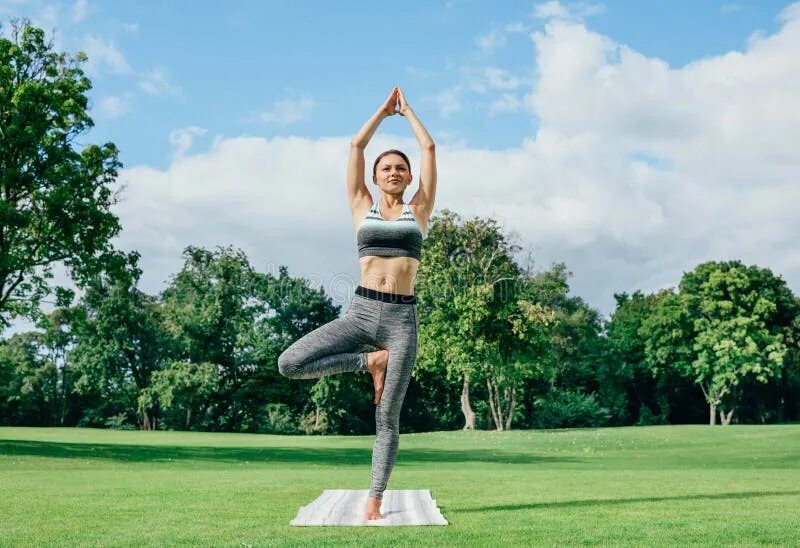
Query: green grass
{"x": 660, "y": 485}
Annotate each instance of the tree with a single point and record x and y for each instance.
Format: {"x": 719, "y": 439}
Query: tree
{"x": 54, "y": 200}
{"x": 729, "y": 322}
{"x": 28, "y": 382}
{"x": 120, "y": 337}
{"x": 181, "y": 384}
{"x": 460, "y": 295}
{"x": 290, "y": 309}
{"x": 626, "y": 363}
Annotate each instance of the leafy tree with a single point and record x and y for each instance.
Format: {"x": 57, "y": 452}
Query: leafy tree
{"x": 728, "y": 323}
{"x": 28, "y": 382}
{"x": 462, "y": 301}
{"x": 183, "y": 385}
{"x": 625, "y": 371}
{"x": 335, "y": 403}
{"x": 54, "y": 200}
{"x": 120, "y": 338}
{"x": 521, "y": 337}
{"x": 209, "y": 314}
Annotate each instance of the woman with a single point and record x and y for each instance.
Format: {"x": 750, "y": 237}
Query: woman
{"x": 383, "y": 312}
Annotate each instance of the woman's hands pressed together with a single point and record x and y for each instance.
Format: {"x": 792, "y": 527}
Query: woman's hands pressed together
{"x": 389, "y": 108}
{"x": 396, "y": 103}
{"x": 403, "y": 107}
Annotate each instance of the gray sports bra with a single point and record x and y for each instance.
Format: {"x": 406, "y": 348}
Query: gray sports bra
{"x": 399, "y": 238}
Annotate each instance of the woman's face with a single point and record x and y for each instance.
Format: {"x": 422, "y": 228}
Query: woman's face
{"x": 392, "y": 174}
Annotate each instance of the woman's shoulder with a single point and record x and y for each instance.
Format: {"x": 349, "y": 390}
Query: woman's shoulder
{"x": 360, "y": 210}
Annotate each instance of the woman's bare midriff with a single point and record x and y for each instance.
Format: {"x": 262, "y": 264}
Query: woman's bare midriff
{"x": 388, "y": 274}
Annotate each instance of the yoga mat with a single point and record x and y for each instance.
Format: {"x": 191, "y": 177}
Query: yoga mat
{"x": 346, "y": 507}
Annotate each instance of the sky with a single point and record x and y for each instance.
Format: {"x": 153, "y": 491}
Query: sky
{"x": 630, "y": 140}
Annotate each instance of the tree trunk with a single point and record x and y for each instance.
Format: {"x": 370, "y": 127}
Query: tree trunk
{"x": 318, "y": 419}
{"x": 145, "y": 420}
{"x": 65, "y": 395}
{"x": 527, "y": 402}
{"x": 466, "y": 408}
{"x": 712, "y": 405}
{"x": 511, "y": 405}
{"x": 189, "y": 411}
{"x": 494, "y": 404}
{"x": 725, "y": 419}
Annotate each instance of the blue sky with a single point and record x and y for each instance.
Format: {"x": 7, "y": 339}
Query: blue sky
{"x": 629, "y": 139}
{"x": 222, "y": 65}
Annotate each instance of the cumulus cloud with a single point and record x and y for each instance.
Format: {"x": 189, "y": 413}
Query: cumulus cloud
{"x": 491, "y": 41}
{"x": 79, "y": 9}
{"x": 638, "y": 171}
{"x": 182, "y": 139}
{"x": 554, "y": 8}
{"x": 643, "y": 170}
{"x": 287, "y": 111}
{"x": 506, "y": 103}
{"x": 157, "y": 82}
{"x": 114, "y": 106}
{"x": 104, "y": 55}
{"x": 447, "y": 101}
{"x": 281, "y": 200}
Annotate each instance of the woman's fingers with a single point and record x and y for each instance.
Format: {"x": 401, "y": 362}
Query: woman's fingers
{"x": 390, "y": 106}
{"x": 401, "y": 99}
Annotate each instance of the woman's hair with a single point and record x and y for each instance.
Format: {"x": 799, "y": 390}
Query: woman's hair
{"x": 392, "y": 151}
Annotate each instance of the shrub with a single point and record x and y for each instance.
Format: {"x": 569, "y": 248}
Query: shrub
{"x": 119, "y": 422}
{"x": 569, "y": 409}
{"x": 314, "y": 423}
{"x": 279, "y": 419}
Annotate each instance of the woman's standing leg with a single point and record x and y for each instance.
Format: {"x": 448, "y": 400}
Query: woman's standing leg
{"x": 397, "y": 333}
{"x": 332, "y": 348}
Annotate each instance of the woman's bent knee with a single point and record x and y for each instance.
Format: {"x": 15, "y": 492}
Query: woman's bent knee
{"x": 286, "y": 365}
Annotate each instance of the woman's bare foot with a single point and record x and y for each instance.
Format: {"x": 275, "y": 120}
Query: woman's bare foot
{"x": 376, "y": 365}
{"x": 372, "y": 509}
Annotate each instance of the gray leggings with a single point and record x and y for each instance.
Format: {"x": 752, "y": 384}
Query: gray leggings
{"x": 383, "y": 320}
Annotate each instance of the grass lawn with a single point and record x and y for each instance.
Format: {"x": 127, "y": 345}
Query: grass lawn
{"x": 659, "y": 485}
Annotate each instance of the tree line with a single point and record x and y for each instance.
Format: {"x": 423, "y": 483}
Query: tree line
{"x": 500, "y": 346}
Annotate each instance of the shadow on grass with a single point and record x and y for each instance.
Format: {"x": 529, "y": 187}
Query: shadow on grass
{"x": 608, "y": 502}
{"x": 151, "y": 453}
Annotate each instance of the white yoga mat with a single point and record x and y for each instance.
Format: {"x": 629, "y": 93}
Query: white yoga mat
{"x": 346, "y": 507}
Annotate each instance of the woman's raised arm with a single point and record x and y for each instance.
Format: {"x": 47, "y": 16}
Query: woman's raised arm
{"x": 356, "y": 188}
{"x": 426, "y": 194}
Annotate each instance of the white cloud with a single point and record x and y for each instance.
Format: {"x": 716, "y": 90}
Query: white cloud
{"x": 277, "y": 199}
{"x": 130, "y": 28}
{"x": 790, "y": 12}
{"x": 79, "y": 9}
{"x": 47, "y": 18}
{"x": 505, "y": 104}
{"x": 114, "y": 106}
{"x": 499, "y": 79}
{"x": 515, "y": 27}
{"x": 552, "y": 8}
{"x": 104, "y": 55}
{"x": 447, "y": 101}
{"x": 731, "y": 8}
{"x": 157, "y": 82}
{"x": 182, "y": 139}
{"x": 725, "y": 172}
{"x": 287, "y": 111}
{"x": 638, "y": 172}
{"x": 491, "y": 41}
{"x": 577, "y": 11}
